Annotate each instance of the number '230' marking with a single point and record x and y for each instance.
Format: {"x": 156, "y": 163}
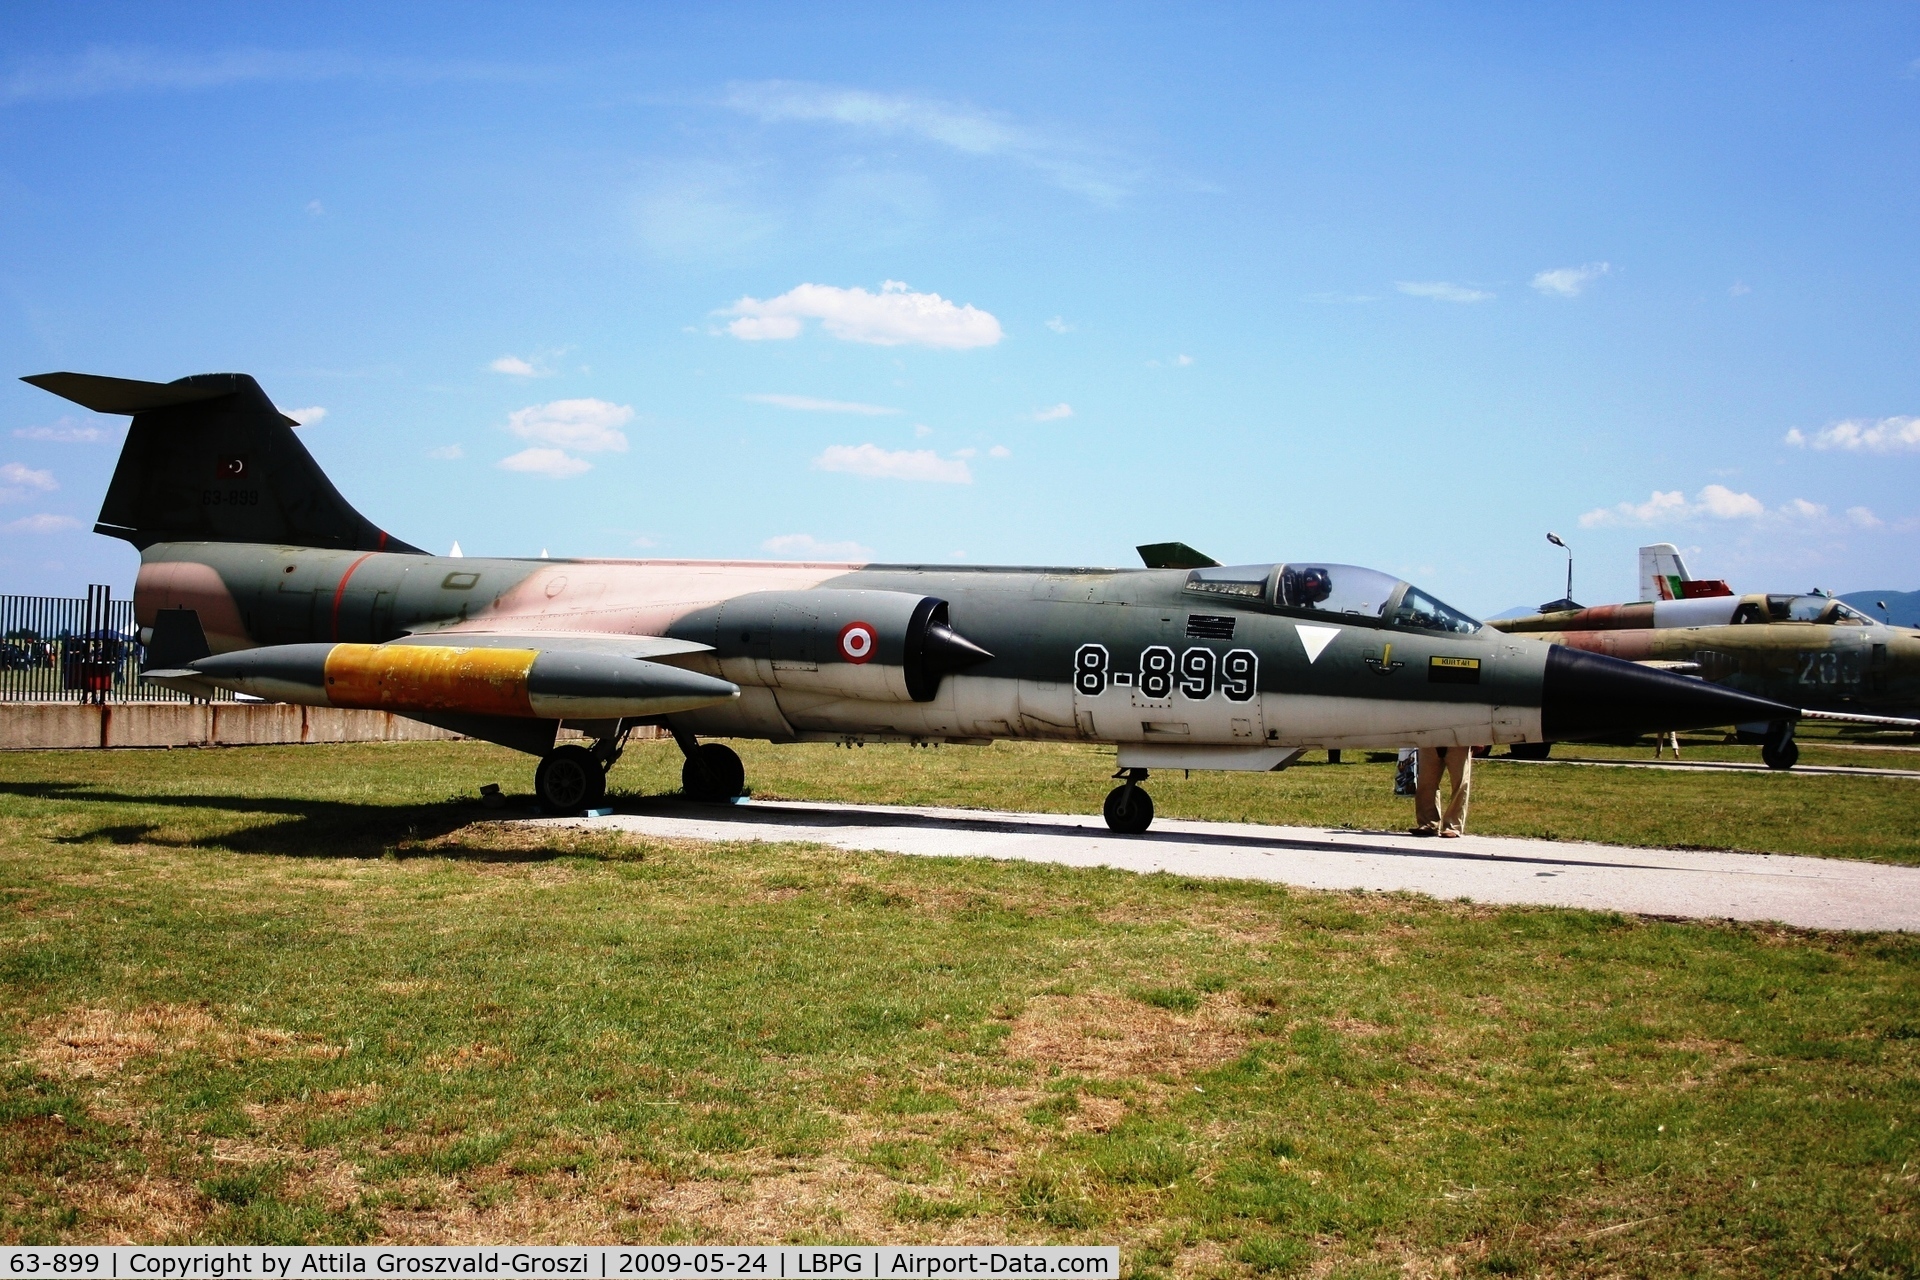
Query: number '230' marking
{"x": 1198, "y": 672}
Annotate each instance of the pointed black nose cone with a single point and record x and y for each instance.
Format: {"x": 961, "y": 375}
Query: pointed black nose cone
{"x": 948, "y": 650}
{"x": 1589, "y": 695}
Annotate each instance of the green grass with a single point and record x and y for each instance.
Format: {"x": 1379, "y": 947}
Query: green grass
{"x": 298, "y": 994}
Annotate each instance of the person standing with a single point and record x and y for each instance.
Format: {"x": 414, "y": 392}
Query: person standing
{"x": 1457, "y": 763}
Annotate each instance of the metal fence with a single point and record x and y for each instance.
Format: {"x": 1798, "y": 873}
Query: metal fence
{"x": 72, "y": 649}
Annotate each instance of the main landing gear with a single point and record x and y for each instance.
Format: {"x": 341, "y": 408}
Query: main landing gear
{"x": 712, "y": 770}
{"x": 572, "y": 778}
{"x": 1129, "y": 810}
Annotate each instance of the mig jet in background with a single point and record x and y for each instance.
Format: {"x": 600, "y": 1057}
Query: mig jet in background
{"x": 256, "y": 576}
{"x": 1810, "y": 651}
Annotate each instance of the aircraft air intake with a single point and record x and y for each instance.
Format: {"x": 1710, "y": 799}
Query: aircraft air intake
{"x": 886, "y": 646}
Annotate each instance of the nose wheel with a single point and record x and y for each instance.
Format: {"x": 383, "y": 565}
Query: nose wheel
{"x": 1780, "y": 751}
{"x": 569, "y": 779}
{"x": 1129, "y": 809}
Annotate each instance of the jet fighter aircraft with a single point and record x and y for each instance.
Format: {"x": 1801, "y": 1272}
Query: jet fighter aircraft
{"x": 257, "y": 576}
{"x": 1810, "y": 651}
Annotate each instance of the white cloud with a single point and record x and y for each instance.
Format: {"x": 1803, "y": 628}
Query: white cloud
{"x": 965, "y": 453}
{"x": 804, "y": 546}
{"x": 1442, "y": 291}
{"x": 921, "y": 431}
{"x": 591, "y": 426}
{"x": 965, "y": 129}
{"x": 1739, "y": 289}
{"x": 65, "y": 431}
{"x": 518, "y": 368}
{"x": 1716, "y": 501}
{"x": 1805, "y": 510}
{"x": 1059, "y": 325}
{"x": 893, "y": 317}
{"x": 1055, "y": 414}
{"x": 1863, "y": 517}
{"x": 999, "y": 451}
{"x": 43, "y": 524}
{"x": 17, "y": 478}
{"x": 1863, "y": 435}
{"x": 307, "y": 417}
{"x": 807, "y": 404}
{"x": 315, "y": 208}
{"x": 447, "y": 452}
{"x": 554, "y": 464}
{"x": 894, "y": 464}
{"x": 1570, "y": 282}
{"x": 1177, "y": 362}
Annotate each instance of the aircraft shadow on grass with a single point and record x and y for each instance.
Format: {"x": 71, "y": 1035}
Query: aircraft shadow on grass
{"x": 293, "y": 828}
{"x": 341, "y": 829}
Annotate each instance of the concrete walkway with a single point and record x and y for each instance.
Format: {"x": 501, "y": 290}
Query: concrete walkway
{"x": 1819, "y": 893}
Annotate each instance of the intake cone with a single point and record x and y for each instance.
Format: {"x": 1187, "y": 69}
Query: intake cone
{"x": 1589, "y": 695}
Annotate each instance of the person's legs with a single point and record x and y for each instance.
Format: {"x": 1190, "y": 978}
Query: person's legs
{"x": 1460, "y": 774}
{"x": 1426, "y": 792}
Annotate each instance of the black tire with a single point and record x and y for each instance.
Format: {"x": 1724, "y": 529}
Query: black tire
{"x": 1530, "y": 750}
{"x": 1129, "y": 810}
{"x": 713, "y": 772}
{"x": 1784, "y": 756}
{"x": 569, "y": 780}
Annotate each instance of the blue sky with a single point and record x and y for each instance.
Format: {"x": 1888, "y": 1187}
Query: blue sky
{"x": 1401, "y": 286}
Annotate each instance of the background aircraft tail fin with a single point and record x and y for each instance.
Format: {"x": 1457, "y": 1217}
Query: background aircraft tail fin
{"x": 1664, "y": 576}
{"x": 209, "y": 459}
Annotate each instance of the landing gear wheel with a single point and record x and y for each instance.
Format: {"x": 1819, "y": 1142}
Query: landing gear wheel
{"x": 1530, "y": 750}
{"x": 1782, "y": 755}
{"x": 713, "y": 772}
{"x": 570, "y": 779}
{"x": 1129, "y": 810}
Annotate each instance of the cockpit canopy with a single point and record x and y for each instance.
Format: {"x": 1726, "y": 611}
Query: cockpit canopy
{"x": 1356, "y": 594}
{"x": 1813, "y": 608}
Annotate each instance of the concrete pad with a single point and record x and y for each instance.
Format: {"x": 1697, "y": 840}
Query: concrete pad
{"x": 1818, "y": 893}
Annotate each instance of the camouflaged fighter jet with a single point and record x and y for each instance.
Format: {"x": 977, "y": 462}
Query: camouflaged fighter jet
{"x": 256, "y": 576}
{"x": 1809, "y": 651}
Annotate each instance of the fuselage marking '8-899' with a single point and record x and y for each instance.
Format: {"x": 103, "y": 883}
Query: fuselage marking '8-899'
{"x": 1197, "y": 673}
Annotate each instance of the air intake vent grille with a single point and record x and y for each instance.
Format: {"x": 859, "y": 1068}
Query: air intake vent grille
{"x": 1207, "y": 626}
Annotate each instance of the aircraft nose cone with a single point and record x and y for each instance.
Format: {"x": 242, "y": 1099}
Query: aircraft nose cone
{"x": 1589, "y": 695}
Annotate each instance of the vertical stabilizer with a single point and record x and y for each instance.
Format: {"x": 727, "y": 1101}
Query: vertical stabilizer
{"x": 1662, "y": 572}
{"x": 209, "y": 459}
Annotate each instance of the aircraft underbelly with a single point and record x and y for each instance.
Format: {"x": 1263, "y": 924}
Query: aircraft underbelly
{"x": 1310, "y": 720}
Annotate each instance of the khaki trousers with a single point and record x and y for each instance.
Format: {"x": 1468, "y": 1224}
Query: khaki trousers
{"x": 1458, "y": 764}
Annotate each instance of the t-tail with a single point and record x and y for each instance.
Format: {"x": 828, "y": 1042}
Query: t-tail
{"x": 209, "y": 459}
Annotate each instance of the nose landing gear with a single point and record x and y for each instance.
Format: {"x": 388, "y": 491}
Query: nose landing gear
{"x": 1129, "y": 810}
{"x": 1780, "y": 751}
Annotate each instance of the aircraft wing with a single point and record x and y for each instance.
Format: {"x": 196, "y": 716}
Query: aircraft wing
{"x": 1849, "y": 717}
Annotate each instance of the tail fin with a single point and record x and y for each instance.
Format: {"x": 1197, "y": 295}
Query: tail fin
{"x": 1664, "y": 576}
{"x": 1662, "y": 572}
{"x": 209, "y": 459}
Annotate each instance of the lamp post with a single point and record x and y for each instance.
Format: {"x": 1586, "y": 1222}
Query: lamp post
{"x": 1554, "y": 538}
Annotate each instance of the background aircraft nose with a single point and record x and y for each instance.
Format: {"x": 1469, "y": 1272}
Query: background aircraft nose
{"x": 1589, "y": 695}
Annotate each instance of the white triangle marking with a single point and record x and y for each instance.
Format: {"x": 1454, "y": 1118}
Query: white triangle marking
{"x": 1315, "y": 639}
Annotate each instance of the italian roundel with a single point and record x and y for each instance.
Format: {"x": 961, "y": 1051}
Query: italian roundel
{"x": 857, "y": 641}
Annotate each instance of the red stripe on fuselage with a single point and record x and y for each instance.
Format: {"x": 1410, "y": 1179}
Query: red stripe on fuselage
{"x": 341, "y": 590}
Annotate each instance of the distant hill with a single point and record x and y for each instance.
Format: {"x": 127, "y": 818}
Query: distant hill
{"x": 1903, "y": 607}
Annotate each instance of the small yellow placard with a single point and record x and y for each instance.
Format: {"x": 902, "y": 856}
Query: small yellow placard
{"x": 1464, "y": 664}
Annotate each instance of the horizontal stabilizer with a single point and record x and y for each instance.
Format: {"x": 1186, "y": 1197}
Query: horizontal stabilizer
{"x": 129, "y": 396}
{"x": 1174, "y": 555}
